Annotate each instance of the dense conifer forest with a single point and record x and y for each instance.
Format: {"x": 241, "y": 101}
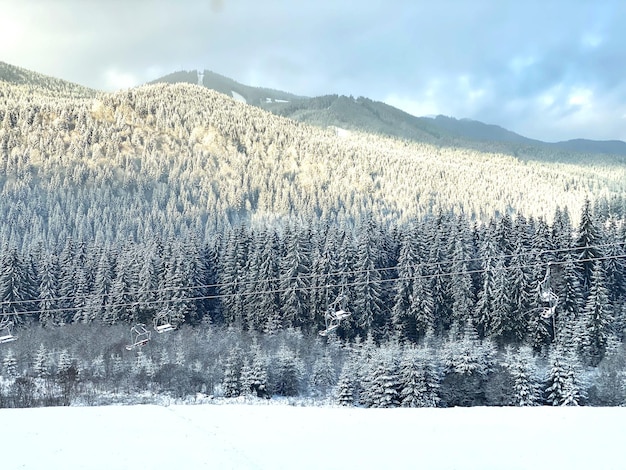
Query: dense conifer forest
{"x": 471, "y": 278}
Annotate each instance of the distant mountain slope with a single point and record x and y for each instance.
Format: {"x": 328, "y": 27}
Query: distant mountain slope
{"x": 476, "y": 130}
{"x": 609, "y": 147}
{"x": 367, "y": 115}
{"x": 364, "y": 114}
{"x": 19, "y": 76}
{"x": 172, "y": 159}
{"x": 359, "y": 114}
{"x": 252, "y": 95}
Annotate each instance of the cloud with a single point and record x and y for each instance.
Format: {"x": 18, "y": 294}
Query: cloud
{"x": 119, "y": 80}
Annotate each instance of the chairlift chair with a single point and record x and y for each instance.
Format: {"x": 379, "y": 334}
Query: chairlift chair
{"x": 5, "y": 332}
{"x": 163, "y": 322}
{"x": 333, "y": 319}
{"x": 139, "y": 336}
{"x": 547, "y": 296}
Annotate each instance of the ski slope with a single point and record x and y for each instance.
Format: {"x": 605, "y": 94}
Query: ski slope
{"x": 266, "y": 436}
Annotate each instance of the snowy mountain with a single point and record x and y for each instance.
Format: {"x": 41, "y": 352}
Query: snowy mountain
{"x": 186, "y": 155}
{"x": 471, "y": 276}
{"x": 19, "y": 76}
{"x": 251, "y": 95}
{"x": 365, "y": 115}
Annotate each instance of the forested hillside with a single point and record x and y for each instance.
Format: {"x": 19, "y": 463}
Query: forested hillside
{"x": 365, "y": 115}
{"x": 174, "y": 201}
{"x": 180, "y": 159}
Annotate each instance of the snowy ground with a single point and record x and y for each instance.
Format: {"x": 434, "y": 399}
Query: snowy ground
{"x": 266, "y": 436}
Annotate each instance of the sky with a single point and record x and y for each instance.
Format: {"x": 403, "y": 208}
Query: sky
{"x": 551, "y": 69}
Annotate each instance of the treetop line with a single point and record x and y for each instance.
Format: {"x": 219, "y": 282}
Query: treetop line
{"x": 245, "y": 283}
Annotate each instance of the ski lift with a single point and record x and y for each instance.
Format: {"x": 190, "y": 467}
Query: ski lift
{"x": 139, "y": 336}
{"x": 163, "y": 322}
{"x": 547, "y": 296}
{"x": 334, "y": 315}
{"x": 5, "y": 331}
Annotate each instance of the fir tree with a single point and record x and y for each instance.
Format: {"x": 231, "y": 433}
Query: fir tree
{"x": 419, "y": 380}
{"x": 324, "y": 375}
{"x": 9, "y": 365}
{"x": 587, "y": 244}
{"x": 596, "y": 319}
{"x": 526, "y": 387}
{"x": 347, "y": 392}
{"x": 231, "y": 383}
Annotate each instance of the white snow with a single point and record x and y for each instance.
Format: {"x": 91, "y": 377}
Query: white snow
{"x": 267, "y": 436}
{"x": 238, "y": 97}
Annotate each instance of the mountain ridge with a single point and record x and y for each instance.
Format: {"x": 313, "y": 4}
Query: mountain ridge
{"x": 367, "y": 115}
{"x": 360, "y": 114}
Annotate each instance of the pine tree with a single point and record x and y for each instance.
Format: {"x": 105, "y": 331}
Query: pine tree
{"x": 596, "y": 319}
{"x": 439, "y": 272}
{"x": 462, "y": 289}
{"x": 246, "y": 377}
{"x": 587, "y": 244}
{"x": 347, "y": 392}
{"x": 419, "y": 380}
{"x": 422, "y": 307}
{"x": 484, "y": 309}
{"x": 16, "y": 288}
{"x": 521, "y": 294}
{"x": 232, "y": 375}
{"x": 500, "y": 322}
{"x": 564, "y": 385}
{"x": 42, "y": 364}
{"x": 231, "y": 274}
{"x": 526, "y": 387}
{"x": 258, "y": 374}
{"x": 569, "y": 307}
{"x": 48, "y": 289}
{"x": 407, "y": 269}
{"x": 294, "y": 279}
{"x": 264, "y": 301}
{"x": 286, "y": 373}
{"x": 324, "y": 375}
{"x": 368, "y": 302}
{"x": 9, "y": 365}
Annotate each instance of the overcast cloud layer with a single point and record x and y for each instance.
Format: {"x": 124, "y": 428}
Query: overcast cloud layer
{"x": 552, "y": 70}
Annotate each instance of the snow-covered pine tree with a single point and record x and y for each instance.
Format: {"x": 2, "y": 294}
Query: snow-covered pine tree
{"x": 587, "y": 242}
{"x": 564, "y": 384}
{"x": 231, "y": 383}
{"x": 286, "y": 373}
{"x": 258, "y": 375}
{"x": 324, "y": 375}
{"x": 48, "y": 289}
{"x": 381, "y": 389}
{"x": 368, "y": 303}
{"x": 295, "y": 268}
{"x": 407, "y": 269}
{"x": 347, "y": 391}
{"x": 9, "y": 365}
{"x": 462, "y": 290}
{"x": 422, "y": 306}
{"x": 246, "y": 377}
{"x": 596, "y": 319}
{"x": 419, "y": 379}
{"x": 522, "y": 368}
{"x": 42, "y": 363}
{"x": 467, "y": 364}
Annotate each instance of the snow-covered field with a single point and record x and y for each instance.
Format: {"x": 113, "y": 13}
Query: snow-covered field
{"x": 266, "y": 436}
